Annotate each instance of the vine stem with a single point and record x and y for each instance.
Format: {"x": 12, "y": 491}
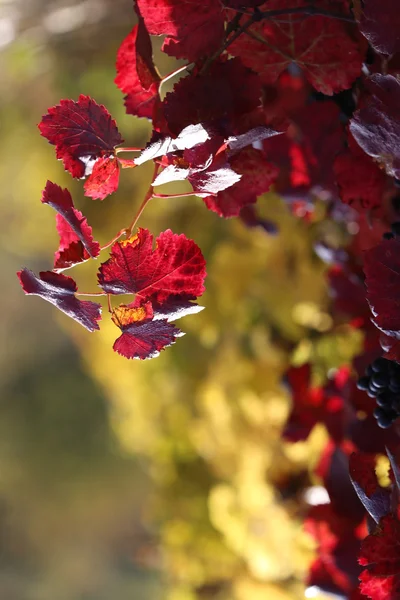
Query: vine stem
{"x": 309, "y": 11}
{"x": 146, "y": 200}
{"x": 184, "y": 195}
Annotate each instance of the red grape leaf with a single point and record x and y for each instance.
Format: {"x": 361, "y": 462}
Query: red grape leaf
{"x": 60, "y": 290}
{"x": 190, "y": 136}
{"x": 70, "y": 256}
{"x": 76, "y": 239}
{"x": 175, "y": 267}
{"x": 193, "y": 29}
{"x": 80, "y": 131}
{"x": 175, "y": 307}
{"x": 380, "y": 23}
{"x": 379, "y": 588}
{"x": 145, "y": 68}
{"x": 242, "y": 3}
{"x": 104, "y": 179}
{"x": 234, "y": 89}
{"x": 361, "y": 182}
{"x": 362, "y": 471}
{"x": 382, "y": 271}
{"x": 380, "y": 552}
{"x": 306, "y": 151}
{"x": 375, "y": 499}
{"x": 337, "y": 545}
{"x": 324, "y": 48}
{"x": 376, "y": 125}
{"x": 142, "y": 336}
{"x": 257, "y": 177}
{"x": 141, "y": 89}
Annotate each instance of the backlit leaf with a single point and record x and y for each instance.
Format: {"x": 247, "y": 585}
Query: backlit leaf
{"x": 60, "y": 290}
{"x": 81, "y": 131}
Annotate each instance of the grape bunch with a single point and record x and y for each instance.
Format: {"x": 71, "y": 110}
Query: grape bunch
{"x": 382, "y": 381}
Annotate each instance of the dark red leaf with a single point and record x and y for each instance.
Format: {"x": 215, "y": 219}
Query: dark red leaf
{"x": 139, "y": 100}
{"x": 76, "y": 239}
{"x": 380, "y": 552}
{"x": 175, "y": 267}
{"x": 104, "y": 179}
{"x": 257, "y": 177}
{"x": 361, "y": 182}
{"x": 306, "y": 151}
{"x": 60, "y": 291}
{"x": 362, "y": 471}
{"x": 193, "y": 29}
{"x": 80, "y": 131}
{"x": 380, "y": 23}
{"x": 334, "y": 569}
{"x": 376, "y": 125}
{"x": 379, "y": 588}
{"x": 375, "y": 499}
{"x": 70, "y": 256}
{"x": 242, "y": 3}
{"x": 145, "y": 68}
{"x": 324, "y": 48}
{"x": 142, "y": 336}
{"x": 382, "y": 271}
{"x": 235, "y": 91}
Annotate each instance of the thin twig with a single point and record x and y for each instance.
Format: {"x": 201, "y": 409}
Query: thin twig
{"x": 146, "y": 199}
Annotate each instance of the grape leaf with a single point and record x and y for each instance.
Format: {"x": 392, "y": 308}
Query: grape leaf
{"x": 140, "y": 86}
{"x": 335, "y": 536}
{"x": 380, "y": 552}
{"x": 76, "y": 239}
{"x": 376, "y": 125}
{"x": 257, "y": 177}
{"x": 375, "y": 499}
{"x": 242, "y": 3}
{"x": 234, "y": 89}
{"x": 175, "y": 267}
{"x": 81, "y": 131}
{"x": 145, "y": 67}
{"x": 104, "y": 179}
{"x": 188, "y": 138}
{"x": 382, "y": 271}
{"x": 142, "y": 336}
{"x": 360, "y": 181}
{"x": 306, "y": 151}
{"x": 380, "y": 23}
{"x": 193, "y": 29}
{"x": 325, "y": 49}
{"x": 60, "y": 290}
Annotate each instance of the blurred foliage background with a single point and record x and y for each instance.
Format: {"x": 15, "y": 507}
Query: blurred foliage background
{"x": 165, "y": 479}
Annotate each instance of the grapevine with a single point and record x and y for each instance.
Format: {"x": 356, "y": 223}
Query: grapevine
{"x": 302, "y": 98}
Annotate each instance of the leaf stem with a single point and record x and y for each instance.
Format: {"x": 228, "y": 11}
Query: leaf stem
{"x": 115, "y": 239}
{"x": 128, "y": 149}
{"x": 174, "y": 73}
{"x": 184, "y": 195}
{"x": 90, "y": 294}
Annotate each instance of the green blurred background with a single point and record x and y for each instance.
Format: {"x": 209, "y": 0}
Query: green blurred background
{"x": 163, "y": 479}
